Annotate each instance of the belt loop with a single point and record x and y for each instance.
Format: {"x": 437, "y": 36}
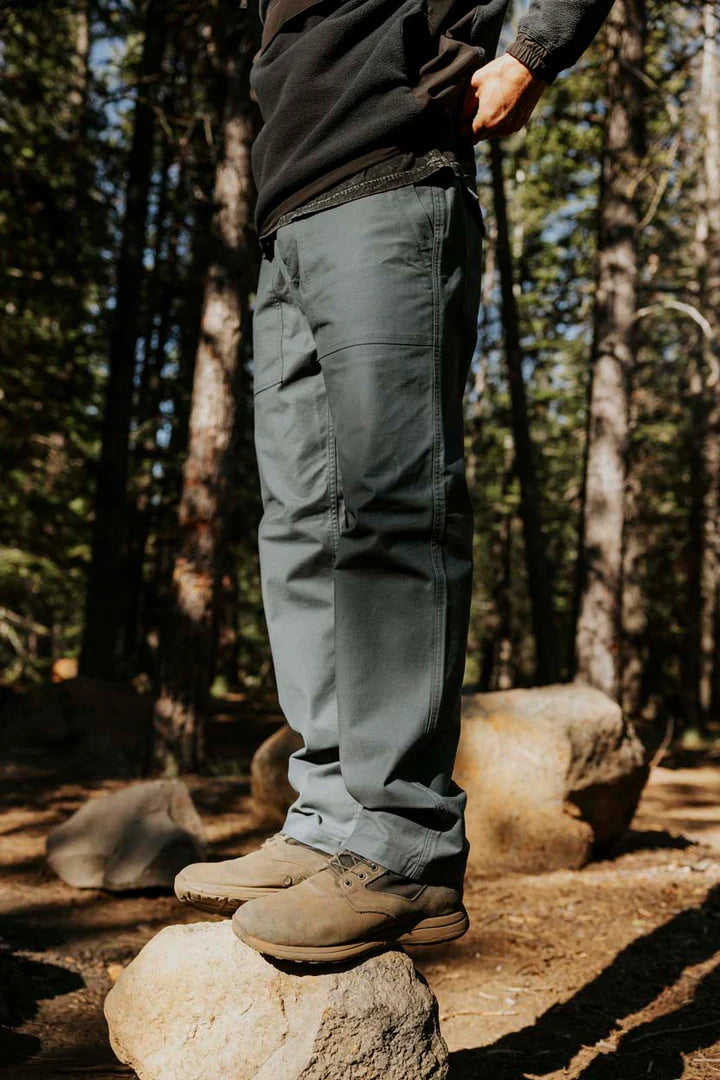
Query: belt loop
{"x": 267, "y": 245}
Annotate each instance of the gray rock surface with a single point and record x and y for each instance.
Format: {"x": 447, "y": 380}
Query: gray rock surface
{"x": 197, "y": 1004}
{"x": 135, "y": 838}
{"x": 550, "y": 772}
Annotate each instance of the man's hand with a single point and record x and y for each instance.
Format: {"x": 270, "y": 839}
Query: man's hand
{"x": 500, "y": 98}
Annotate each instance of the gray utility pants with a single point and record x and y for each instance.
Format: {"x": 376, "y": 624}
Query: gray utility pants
{"x": 365, "y": 324}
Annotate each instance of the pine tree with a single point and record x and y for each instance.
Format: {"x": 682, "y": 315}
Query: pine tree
{"x": 189, "y": 643}
{"x": 538, "y": 573}
{"x": 599, "y": 623}
{"x": 104, "y": 651}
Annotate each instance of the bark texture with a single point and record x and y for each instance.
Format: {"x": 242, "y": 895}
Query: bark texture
{"x": 598, "y": 631}
{"x": 188, "y": 646}
{"x": 104, "y": 645}
{"x": 547, "y": 660}
{"x": 708, "y": 255}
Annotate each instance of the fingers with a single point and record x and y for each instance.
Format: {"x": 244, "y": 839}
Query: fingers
{"x": 494, "y": 121}
{"x": 469, "y": 105}
{"x": 500, "y": 117}
{"x": 482, "y": 131}
{"x": 486, "y": 125}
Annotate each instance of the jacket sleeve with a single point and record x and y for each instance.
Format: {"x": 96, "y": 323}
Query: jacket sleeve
{"x": 553, "y": 34}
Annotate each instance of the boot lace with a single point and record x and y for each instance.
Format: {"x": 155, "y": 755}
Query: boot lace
{"x": 347, "y": 862}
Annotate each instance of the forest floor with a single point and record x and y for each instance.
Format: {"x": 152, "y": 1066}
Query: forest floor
{"x": 611, "y": 972}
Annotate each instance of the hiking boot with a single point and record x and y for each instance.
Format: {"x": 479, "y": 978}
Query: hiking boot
{"x": 351, "y": 907}
{"x": 222, "y": 887}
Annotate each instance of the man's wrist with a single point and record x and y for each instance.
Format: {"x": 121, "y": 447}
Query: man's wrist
{"x": 534, "y": 56}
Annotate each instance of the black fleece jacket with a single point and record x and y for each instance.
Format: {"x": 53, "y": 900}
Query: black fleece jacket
{"x": 342, "y": 84}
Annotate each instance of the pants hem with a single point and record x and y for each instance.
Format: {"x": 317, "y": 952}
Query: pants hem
{"x": 313, "y": 838}
{"x": 412, "y": 862}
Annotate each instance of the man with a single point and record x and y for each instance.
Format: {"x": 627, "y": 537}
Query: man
{"x": 364, "y": 327}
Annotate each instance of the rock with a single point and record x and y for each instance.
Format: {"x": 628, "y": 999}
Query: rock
{"x": 135, "y": 838}
{"x": 196, "y": 1003}
{"x": 551, "y": 773}
{"x": 271, "y": 791}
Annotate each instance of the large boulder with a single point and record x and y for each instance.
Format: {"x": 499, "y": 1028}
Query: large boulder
{"x": 551, "y": 773}
{"x": 197, "y": 1003}
{"x": 136, "y": 838}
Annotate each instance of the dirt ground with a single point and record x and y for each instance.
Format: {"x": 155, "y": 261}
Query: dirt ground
{"x": 607, "y": 973}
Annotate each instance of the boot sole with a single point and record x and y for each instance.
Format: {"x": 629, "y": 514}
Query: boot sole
{"x": 432, "y": 931}
{"x": 209, "y": 900}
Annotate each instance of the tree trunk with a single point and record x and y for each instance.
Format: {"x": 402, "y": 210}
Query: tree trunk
{"x": 598, "y": 632}
{"x": 147, "y": 410}
{"x": 161, "y": 318}
{"x": 698, "y": 483}
{"x": 104, "y": 645}
{"x": 189, "y": 641}
{"x": 708, "y": 261}
{"x": 78, "y": 96}
{"x": 547, "y": 660}
{"x": 634, "y": 613}
{"x": 192, "y": 276}
{"x": 505, "y": 659}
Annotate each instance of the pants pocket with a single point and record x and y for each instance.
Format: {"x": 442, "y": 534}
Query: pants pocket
{"x": 267, "y": 330}
{"x": 474, "y": 241}
{"x": 424, "y": 198}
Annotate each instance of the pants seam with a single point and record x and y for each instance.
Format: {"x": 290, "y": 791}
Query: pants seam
{"x": 275, "y": 303}
{"x": 438, "y": 495}
{"x": 407, "y": 341}
{"x": 332, "y": 481}
{"x": 282, "y": 343}
{"x": 332, "y": 468}
{"x": 438, "y": 510}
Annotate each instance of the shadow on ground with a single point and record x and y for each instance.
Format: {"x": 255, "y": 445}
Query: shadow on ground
{"x": 645, "y": 840}
{"x": 24, "y": 983}
{"x": 632, "y": 982}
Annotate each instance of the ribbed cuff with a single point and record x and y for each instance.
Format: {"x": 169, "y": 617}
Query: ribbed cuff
{"x": 534, "y": 56}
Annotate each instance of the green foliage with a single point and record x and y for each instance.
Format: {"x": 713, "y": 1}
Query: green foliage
{"x": 53, "y": 237}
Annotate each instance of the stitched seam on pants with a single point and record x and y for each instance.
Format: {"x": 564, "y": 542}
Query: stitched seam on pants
{"x": 438, "y": 493}
{"x": 332, "y": 481}
{"x": 273, "y": 380}
{"x": 404, "y": 341}
{"x": 282, "y": 342}
{"x": 332, "y": 466}
{"x": 438, "y": 506}
{"x": 290, "y": 287}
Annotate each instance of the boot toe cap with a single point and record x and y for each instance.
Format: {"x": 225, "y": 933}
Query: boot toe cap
{"x": 193, "y": 875}
{"x": 274, "y": 920}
